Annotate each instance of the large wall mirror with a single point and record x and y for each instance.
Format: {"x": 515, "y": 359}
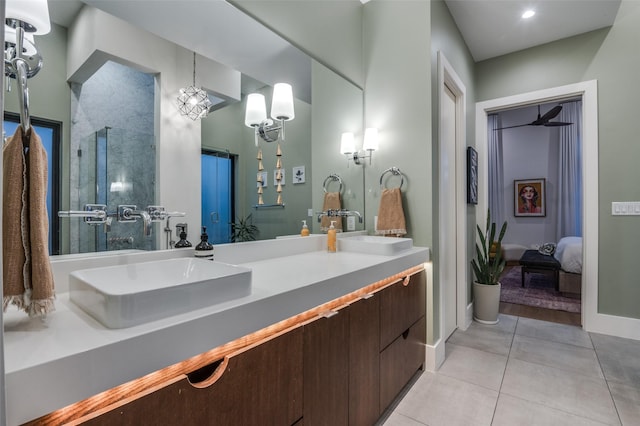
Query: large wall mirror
{"x": 110, "y": 78}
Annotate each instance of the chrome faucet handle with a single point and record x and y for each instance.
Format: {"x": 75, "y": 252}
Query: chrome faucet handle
{"x": 125, "y": 212}
{"x": 156, "y": 213}
{"x": 93, "y": 214}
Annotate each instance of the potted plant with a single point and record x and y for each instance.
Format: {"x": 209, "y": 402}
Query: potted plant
{"x": 487, "y": 268}
{"x": 243, "y": 229}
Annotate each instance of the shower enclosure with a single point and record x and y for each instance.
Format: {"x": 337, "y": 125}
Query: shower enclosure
{"x": 112, "y": 167}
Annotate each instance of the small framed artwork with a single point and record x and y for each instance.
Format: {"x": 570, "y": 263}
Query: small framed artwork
{"x": 472, "y": 175}
{"x": 529, "y": 197}
{"x": 298, "y": 175}
{"x": 261, "y": 179}
{"x": 275, "y": 177}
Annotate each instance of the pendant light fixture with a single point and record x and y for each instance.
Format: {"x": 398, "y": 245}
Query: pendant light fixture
{"x": 194, "y": 102}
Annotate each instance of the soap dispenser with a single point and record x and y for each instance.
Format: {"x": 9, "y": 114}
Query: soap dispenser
{"x": 204, "y": 249}
{"x": 183, "y": 237}
{"x": 331, "y": 238}
{"x": 305, "y": 229}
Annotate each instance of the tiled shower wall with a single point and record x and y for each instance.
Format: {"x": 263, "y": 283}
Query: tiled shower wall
{"x": 112, "y": 140}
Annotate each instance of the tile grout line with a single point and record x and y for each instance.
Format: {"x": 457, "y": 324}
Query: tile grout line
{"x": 606, "y": 381}
{"x": 504, "y": 373}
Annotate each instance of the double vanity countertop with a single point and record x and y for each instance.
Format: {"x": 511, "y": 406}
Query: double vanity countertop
{"x": 69, "y": 356}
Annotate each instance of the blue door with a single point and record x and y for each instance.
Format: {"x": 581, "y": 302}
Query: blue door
{"x": 217, "y": 195}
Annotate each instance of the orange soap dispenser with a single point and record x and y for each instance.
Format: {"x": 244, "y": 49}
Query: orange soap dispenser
{"x": 304, "y": 232}
{"x": 331, "y": 238}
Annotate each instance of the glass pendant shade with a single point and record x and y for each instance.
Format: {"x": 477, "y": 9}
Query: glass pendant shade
{"x": 282, "y": 103}
{"x": 347, "y": 144}
{"x": 194, "y": 102}
{"x": 370, "y": 139}
{"x": 256, "y": 111}
{"x": 33, "y": 13}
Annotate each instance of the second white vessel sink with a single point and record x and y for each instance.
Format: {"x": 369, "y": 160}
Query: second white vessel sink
{"x": 127, "y": 295}
{"x": 372, "y": 244}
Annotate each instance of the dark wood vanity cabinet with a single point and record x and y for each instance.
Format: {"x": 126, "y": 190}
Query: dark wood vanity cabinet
{"x": 261, "y": 385}
{"x": 341, "y": 367}
{"x": 402, "y": 335}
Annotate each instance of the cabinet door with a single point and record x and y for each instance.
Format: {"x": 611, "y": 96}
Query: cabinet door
{"x": 364, "y": 361}
{"x": 326, "y": 364}
{"x": 401, "y": 306}
{"x": 400, "y": 361}
{"x": 259, "y": 386}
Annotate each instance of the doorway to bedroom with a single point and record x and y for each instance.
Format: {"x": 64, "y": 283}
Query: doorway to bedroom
{"x": 535, "y": 185}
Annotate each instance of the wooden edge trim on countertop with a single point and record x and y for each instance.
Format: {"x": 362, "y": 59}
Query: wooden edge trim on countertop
{"x": 120, "y": 395}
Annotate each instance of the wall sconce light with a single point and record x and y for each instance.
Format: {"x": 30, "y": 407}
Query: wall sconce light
{"x": 193, "y": 102}
{"x": 370, "y": 144}
{"x": 281, "y": 111}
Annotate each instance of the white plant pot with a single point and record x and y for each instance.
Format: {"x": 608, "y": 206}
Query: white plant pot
{"x": 486, "y": 305}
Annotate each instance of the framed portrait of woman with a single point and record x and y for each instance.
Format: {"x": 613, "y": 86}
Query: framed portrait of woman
{"x": 529, "y": 197}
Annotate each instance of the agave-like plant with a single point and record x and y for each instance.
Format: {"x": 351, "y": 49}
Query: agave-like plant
{"x": 488, "y": 270}
{"x": 243, "y": 229}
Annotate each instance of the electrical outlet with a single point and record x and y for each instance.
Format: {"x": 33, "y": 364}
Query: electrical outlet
{"x": 351, "y": 223}
{"x": 310, "y": 212}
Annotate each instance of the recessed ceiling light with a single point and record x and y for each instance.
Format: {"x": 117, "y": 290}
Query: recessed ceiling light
{"x": 528, "y": 14}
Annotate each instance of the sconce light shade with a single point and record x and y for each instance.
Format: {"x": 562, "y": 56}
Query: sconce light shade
{"x": 282, "y": 103}
{"x": 33, "y": 13}
{"x": 370, "y": 139}
{"x": 256, "y": 111}
{"x": 347, "y": 143}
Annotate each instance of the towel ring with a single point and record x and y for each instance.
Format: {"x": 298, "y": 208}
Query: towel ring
{"x": 332, "y": 178}
{"x": 394, "y": 171}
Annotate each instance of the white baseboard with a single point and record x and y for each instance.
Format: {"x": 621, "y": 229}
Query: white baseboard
{"x": 468, "y": 316}
{"x": 629, "y": 328}
{"x": 434, "y": 356}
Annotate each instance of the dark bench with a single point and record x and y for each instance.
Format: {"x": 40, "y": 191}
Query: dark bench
{"x": 533, "y": 261}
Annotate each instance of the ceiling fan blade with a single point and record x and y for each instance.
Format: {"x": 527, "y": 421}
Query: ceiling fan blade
{"x": 552, "y": 113}
{"x": 511, "y": 127}
{"x": 556, "y": 124}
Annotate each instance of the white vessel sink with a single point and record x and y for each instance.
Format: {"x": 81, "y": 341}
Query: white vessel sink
{"x": 126, "y": 295}
{"x": 371, "y": 244}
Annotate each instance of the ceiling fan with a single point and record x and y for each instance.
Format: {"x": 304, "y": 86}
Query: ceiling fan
{"x": 544, "y": 120}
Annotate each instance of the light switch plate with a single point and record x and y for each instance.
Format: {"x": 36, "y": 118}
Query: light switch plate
{"x": 625, "y": 208}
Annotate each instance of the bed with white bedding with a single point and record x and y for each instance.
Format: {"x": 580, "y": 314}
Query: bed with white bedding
{"x": 569, "y": 254}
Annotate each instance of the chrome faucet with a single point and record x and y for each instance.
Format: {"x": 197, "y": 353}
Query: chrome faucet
{"x": 339, "y": 213}
{"x": 130, "y": 213}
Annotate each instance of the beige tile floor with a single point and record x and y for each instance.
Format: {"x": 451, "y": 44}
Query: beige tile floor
{"x": 526, "y": 372}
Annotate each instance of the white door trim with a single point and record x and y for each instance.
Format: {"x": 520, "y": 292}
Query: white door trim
{"x": 591, "y": 320}
{"x": 447, "y": 76}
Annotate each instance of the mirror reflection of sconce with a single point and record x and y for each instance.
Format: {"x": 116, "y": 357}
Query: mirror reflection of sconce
{"x": 281, "y": 111}
{"x": 370, "y": 144}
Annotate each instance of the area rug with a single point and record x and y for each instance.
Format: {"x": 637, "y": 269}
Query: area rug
{"x": 538, "y": 291}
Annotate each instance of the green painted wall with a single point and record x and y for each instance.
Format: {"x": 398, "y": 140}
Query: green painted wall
{"x": 609, "y": 56}
{"x": 397, "y": 58}
{"x": 446, "y": 37}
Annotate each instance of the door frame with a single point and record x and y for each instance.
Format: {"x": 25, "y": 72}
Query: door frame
{"x": 448, "y": 77}
{"x": 588, "y": 90}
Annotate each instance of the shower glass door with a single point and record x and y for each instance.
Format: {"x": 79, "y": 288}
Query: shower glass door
{"x": 114, "y": 167}
{"x": 217, "y": 195}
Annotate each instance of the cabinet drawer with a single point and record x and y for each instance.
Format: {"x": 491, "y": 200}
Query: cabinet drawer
{"x": 400, "y": 361}
{"x": 400, "y": 306}
{"x": 326, "y": 370}
{"x": 258, "y": 386}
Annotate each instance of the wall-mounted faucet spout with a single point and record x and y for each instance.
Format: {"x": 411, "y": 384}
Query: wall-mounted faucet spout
{"x": 339, "y": 213}
{"x": 131, "y": 214}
